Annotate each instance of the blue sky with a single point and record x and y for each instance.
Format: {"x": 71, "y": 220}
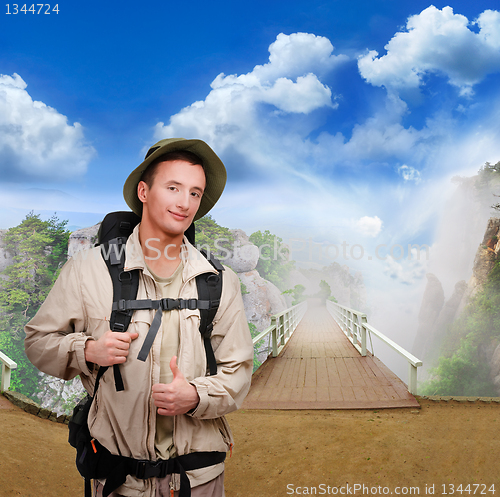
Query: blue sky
{"x": 337, "y": 121}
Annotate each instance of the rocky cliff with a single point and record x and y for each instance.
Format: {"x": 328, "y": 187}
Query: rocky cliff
{"x": 436, "y": 313}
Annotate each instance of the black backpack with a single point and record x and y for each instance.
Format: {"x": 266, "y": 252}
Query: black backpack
{"x": 92, "y": 459}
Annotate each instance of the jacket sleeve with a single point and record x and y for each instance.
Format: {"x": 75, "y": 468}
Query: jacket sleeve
{"x": 55, "y": 337}
{"x": 224, "y": 392}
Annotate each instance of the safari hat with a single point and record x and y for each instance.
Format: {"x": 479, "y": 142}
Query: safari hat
{"x": 215, "y": 173}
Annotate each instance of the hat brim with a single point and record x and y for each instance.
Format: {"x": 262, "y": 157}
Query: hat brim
{"x": 215, "y": 173}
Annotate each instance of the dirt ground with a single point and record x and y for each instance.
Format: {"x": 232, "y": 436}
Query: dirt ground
{"x": 426, "y": 451}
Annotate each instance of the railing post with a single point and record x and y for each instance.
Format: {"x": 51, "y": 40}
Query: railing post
{"x": 5, "y": 378}
{"x": 412, "y": 379}
{"x": 363, "y": 336}
{"x": 274, "y": 336}
{"x": 7, "y": 366}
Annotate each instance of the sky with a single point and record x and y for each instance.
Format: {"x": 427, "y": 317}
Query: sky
{"x": 340, "y": 123}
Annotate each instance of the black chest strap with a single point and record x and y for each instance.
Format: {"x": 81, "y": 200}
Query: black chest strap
{"x": 124, "y": 306}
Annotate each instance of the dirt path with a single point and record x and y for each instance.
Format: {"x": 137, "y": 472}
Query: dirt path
{"x": 281, "y": 453}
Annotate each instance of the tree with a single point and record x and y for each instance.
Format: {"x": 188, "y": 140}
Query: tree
{"x": 274, "y": 264}
{"x": 324, "y": 290}
{"x": 39, "y": 250}
{"x": 298, "y": 294}
{"x": 213, "y": 236}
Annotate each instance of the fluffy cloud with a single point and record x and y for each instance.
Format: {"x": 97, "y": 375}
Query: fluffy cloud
{"x": 437, "y": 41}
{"x": 232, "y": 112}
{"x": 409, "y": 173}
{"x": 406, "y": 271}
{"x": 35, "y": 140}
{"x": 369, "y": 226}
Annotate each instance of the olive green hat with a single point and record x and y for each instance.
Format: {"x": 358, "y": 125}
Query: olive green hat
{"x": 215, "y": 172}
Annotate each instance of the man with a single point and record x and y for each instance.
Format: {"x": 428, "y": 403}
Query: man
{"x": 169, "y": 407}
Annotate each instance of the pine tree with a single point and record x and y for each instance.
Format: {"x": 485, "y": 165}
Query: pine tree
{"x": 39, "y": 250}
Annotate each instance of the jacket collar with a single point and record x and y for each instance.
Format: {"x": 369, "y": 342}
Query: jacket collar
{"x": 194, "y": 261}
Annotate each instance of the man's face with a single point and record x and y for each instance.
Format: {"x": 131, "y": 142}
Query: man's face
{"x": 172, "y": 201}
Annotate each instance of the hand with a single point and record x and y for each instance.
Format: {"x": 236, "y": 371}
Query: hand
{"x": 111, "y": 348}
{"x": 177, "y": 397}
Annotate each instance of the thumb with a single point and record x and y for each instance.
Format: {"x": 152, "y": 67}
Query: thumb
{"x": 175, "y": 370}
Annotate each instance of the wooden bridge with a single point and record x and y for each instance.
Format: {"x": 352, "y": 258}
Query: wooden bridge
{"x": 319, "y": 367}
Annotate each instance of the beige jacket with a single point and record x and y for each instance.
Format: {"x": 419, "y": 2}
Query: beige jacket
{"x": 78, "y": 309}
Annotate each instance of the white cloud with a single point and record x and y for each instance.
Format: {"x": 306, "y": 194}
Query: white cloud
{"x": 406, "y": 271}
{"x": 437, "y": 41}
{"x": 409, "y": 173}
{"x": 292, "y": 56}
{"x": 35, "y": 140}
{"x": 232, "y": 115}
{"x": 369, "y": 226}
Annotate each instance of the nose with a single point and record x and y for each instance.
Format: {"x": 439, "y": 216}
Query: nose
{"x": 183, "y": 200}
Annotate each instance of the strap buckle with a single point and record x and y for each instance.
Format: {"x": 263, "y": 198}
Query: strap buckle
{"x": 120, "y": 305}
{"x": 120, "y": 327}
{"x": 170, "y": 304}
{"x": 148, "y": 469}
{"x": 192, "y": 304}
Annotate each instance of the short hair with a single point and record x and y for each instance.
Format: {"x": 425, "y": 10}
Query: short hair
{"x": 149, "y": 174}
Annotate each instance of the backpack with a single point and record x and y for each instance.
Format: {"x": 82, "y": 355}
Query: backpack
{"x": 92, "y": 459}
{"x": 114, "y": 231}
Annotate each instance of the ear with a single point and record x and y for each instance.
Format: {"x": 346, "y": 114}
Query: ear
{"x": 142, "y": 191}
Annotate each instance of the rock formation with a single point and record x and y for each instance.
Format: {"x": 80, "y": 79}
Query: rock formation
{"x": 434, "y": 317}
{"x": 436, "y": 314}
{"x": 245, "y": 254}
{"x": 263, "y": 299}
{"x": 82, "y": 239}
{"x": 432, "y": 303}
{"x": 59, "y": 395}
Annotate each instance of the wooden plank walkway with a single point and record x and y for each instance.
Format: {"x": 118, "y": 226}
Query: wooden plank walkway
{"x": 319, "y": 368}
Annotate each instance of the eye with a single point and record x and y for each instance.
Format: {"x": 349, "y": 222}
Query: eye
{"x": 195, "y": 194}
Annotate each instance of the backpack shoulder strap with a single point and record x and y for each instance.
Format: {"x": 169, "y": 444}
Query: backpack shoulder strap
{"x": 125, "y": 286}
{"x": 209, "y": 287}
{"x": 114, "y": 231}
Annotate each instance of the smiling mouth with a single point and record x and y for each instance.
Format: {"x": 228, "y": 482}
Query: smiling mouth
{"x": 177, "y": 215}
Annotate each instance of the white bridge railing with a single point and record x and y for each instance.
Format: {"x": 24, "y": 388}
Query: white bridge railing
{"x": 282, "y": 326}
{"x": 354, "y": 325}
{"x": 7, "y": 366}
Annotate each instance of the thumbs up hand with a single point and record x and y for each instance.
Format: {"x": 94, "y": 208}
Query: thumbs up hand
{"x": 177, "y": 397}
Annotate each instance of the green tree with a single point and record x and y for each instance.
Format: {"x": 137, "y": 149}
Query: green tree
{"x": 39, "y": 250}
{"x": 211, "y": 235}
{"x": 324, "y": 290}
{"x": 274, "y": 264}
{"x": 254, "y": 332}
{"x": 297, "y": 294}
